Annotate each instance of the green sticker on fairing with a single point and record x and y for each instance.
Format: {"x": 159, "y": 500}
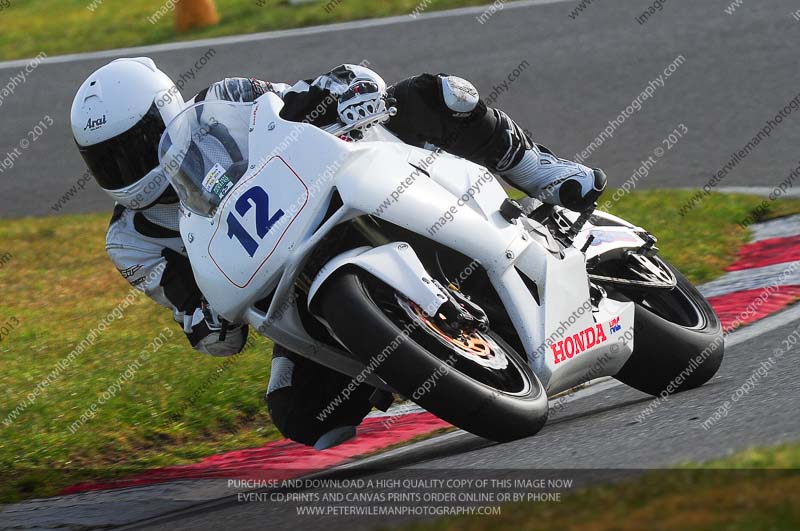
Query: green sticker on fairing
{"x": 216, "y": 182}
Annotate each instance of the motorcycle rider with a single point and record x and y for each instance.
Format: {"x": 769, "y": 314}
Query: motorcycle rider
{"x": 119, "y": 114}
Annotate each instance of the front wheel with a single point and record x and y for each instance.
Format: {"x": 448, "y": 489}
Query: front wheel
{"x": 470, "y": 378}
{"x": 678, "y": 339}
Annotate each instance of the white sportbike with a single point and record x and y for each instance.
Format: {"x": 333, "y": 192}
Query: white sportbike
{"x": 410, "y": 269}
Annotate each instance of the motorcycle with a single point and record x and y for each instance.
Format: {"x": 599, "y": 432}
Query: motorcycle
{"x": 411, "y": 270}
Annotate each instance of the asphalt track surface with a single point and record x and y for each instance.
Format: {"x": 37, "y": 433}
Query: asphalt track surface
{"x": 739, "y": 71}
{"x": 599, "y": 433}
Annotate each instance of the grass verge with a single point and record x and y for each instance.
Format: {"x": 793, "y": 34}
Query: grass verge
{"x": 755, "y": 489}
{"x": 703, "y": 243}
{"x": 176, "y": 408}
{"x": 179, "y": 406}
{"x": 67, "y": 26}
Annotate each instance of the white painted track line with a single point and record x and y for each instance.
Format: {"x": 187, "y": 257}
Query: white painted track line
{"x": 278, "y": 34}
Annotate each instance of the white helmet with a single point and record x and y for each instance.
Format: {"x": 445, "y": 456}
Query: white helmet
{"x": 118, "y": 116}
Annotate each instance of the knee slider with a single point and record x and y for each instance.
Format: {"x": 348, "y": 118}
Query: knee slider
{"x": 459, "y": 95}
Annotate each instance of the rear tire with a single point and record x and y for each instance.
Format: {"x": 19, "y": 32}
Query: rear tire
{"x": 367, "y": 330}
{"x": 673, "y": 351}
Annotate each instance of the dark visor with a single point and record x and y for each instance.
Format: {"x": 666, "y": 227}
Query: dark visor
{"x": 121, "y": 161}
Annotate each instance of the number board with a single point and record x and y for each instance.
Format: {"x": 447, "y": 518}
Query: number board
{"x": 255, "y": 219}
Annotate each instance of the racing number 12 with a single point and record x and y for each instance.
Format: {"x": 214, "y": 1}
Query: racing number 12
{"x": 258, "y": 197}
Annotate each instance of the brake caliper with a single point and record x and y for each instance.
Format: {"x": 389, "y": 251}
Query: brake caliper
{"x": 458, "y": 313}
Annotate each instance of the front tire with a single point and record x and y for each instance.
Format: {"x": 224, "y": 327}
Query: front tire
{"x": 678, "y": 340}
{"x": 370, "y": 318}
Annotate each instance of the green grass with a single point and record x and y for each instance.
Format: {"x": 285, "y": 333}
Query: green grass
{"x": 704, "y": 242}
{"x": 734, "y": 493}
{"x": 58, "y": 283}
{"x": 66, "y": 26}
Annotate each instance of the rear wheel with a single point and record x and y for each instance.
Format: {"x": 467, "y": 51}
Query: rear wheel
{"x": 678, "y": 339}
{"x": 468, "y": 377}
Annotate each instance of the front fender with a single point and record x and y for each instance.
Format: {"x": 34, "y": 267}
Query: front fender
{"x": 396, "y": 264}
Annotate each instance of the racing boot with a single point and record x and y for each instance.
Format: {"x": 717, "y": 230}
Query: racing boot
{"x": 535, "y": 170}
{"x": 556, "y": 181}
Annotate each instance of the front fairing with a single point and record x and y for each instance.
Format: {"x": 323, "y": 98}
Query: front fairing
{"x": 239, "y": 246}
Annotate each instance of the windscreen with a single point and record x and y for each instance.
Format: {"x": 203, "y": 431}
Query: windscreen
{"x": 204, "y": 152}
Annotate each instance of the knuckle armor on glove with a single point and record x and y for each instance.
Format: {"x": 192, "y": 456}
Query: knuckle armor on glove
{"x": 460, "y": 96}
{"x": 361, "y": 99}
